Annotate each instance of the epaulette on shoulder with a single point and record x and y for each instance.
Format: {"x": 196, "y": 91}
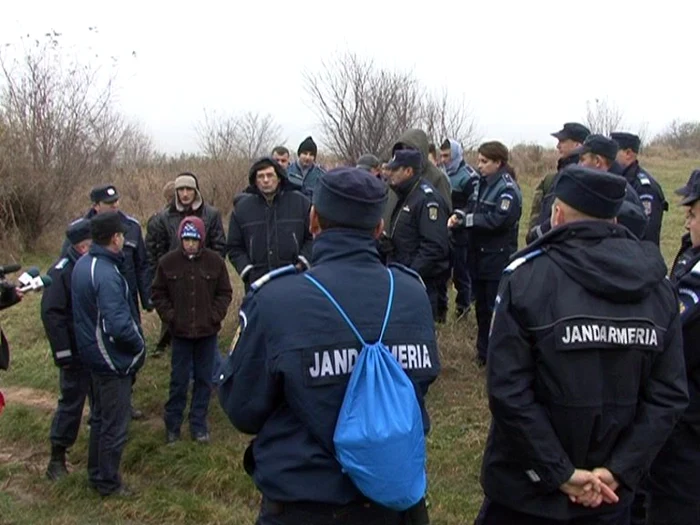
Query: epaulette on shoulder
{"x": 522, "y": 260}
{"x": 407, "y": 270}
{"x": 508, "y": 180}
{"x": 132, "y": 219}
{"x": 696, "y": 269}
{"x": 644, "y": 178}
{"x": 274, "y": 274}
{"x": 426, "y": 189}
{"x": 62, "y": 263}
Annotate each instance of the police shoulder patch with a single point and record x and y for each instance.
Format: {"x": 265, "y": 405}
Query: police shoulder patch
{"x": 407, "y": 270}
{"x": 505, "y": 202}
{"x": 696, "y": 269}
{"x": 517, "y": 263}
{"x": 433, "y": 209}
{"x": 274, "y": 274}
{"x": 426, "y": 189}
{"x": 62, "y": 263}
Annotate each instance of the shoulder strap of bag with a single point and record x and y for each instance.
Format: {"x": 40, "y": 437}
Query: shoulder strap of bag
{"x": 345, "y": 316}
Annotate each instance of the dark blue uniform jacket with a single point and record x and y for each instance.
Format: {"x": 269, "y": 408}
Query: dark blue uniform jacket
{"x": 675, "y": 473}
{"x": 286, "y": 377}
{"x": 585, "y": 367}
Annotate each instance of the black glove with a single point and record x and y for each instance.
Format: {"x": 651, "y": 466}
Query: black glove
{"x": 385, "y": 245}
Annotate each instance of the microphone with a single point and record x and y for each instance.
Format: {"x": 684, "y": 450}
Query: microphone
{"x": 37, "y": 284}
{"x": 26, "y": 278}
{"x": 9, "y": 268}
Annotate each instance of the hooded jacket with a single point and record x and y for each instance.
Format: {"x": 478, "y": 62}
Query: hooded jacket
{"x": 585, "y": 367}
{"x": 267, "y": 234}
{"x": 192, "y": 293}
{"x": 418, "y": 140}
{"x": 107, "y": 333}
{"x": 162, "y": 235}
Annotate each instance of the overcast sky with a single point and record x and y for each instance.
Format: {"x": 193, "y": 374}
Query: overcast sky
{"x": 524, "y": 67}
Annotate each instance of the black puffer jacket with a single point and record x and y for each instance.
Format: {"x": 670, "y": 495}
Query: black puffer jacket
{"x": 267, "y": 234}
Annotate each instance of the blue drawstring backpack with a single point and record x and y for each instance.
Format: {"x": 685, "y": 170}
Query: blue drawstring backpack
{"x": 379, "y": 439}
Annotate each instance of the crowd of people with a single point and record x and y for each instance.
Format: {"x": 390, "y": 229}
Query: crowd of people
{"x": 590, "y": 351}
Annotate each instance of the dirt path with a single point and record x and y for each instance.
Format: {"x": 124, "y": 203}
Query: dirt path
{"x": 31, "y": 397}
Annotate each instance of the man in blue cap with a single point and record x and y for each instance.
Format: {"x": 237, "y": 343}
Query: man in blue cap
{"x": 599, "y": 152}
{"x": 286, "y": 377}
{"x": 674, "y": 478}
{"x": 417, "y": 235}
{"x": 648, "y": 189}
{"x": 586, "y": 377}
{"x": 74, "y": 375}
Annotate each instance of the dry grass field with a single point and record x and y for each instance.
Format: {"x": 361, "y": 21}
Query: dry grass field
{"x": 186, "y": 483}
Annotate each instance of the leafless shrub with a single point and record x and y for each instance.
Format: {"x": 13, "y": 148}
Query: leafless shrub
{"x": 603, "y": 117}
{"x": 680, "y": 136}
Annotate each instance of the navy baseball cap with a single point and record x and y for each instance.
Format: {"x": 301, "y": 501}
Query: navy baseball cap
{"x": 406, "y": 158}
{"x": 593, "y": 192}
{"x": 626, "y": 140}
{"x": 598, "y": 145}
{"x": 572, "y": 131}
{"x": 350, "y": 196}
{"x": 79, "y": 231}
{"x": 691, "y": 191}
{"x": 104, "y": 193}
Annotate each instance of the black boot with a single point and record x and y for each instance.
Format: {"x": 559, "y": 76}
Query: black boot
{"x": 57, "y": 465}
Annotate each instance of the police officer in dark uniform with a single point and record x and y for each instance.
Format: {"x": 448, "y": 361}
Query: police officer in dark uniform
{"x": 586, "y": 377}
{"x": 417, "y": 236}
{"x": 286, "y": 377}
{"x": 649, "y": 190}
{"x": 492, "y": 218}
{"x": 674, "y": 479}
{"x": 600, "y": 152}
{"x": 74, "y": 377}
{"x": 105, "y": 198}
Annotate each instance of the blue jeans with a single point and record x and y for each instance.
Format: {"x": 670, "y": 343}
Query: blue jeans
{"x": 109, "y": 423}
{"x": 196, "y": 357}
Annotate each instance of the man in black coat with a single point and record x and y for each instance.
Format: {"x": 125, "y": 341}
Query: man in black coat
{"x": 74, "y": 376}
{"x": 269, "y": 224}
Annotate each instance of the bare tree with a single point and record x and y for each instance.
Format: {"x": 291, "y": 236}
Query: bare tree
{"x": 245, "y": 136}
{"x": 603, "y": 117}
{"x": 444, "y": 118}
{"x": 679, "y": 135}
{"x": 361, "y": 107}
{"x": 60, "y": 130}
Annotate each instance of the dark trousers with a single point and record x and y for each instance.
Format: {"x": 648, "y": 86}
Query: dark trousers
{"x": 461, "y": 277}
{"x": 436, "y": 288}
{"x": 492, "y": 513}
{"x": 196, "y": 356}
{"x": 75, "y": 385}
{"x": 670, "y": 512}
{"x": 272, "y": 513}
{"x": 164, "y": 337}
{"x": 485, "y": 292}
{"x": 109, "y": 422}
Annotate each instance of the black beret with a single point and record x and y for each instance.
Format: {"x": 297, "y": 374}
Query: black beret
{"x": 79, "y": 231}
{"x": 592, "y": 192}
{"x": 599, "y": 145}
{"x": 572, "y": 131}
{"x": 104, "y": 225}
{"x": 350, "y": 196}
{"x": 626, "y": 140}
{"x": 406, "y": 158}
{"x": 104, "y": 193}
{"x": 691, "y": 191}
